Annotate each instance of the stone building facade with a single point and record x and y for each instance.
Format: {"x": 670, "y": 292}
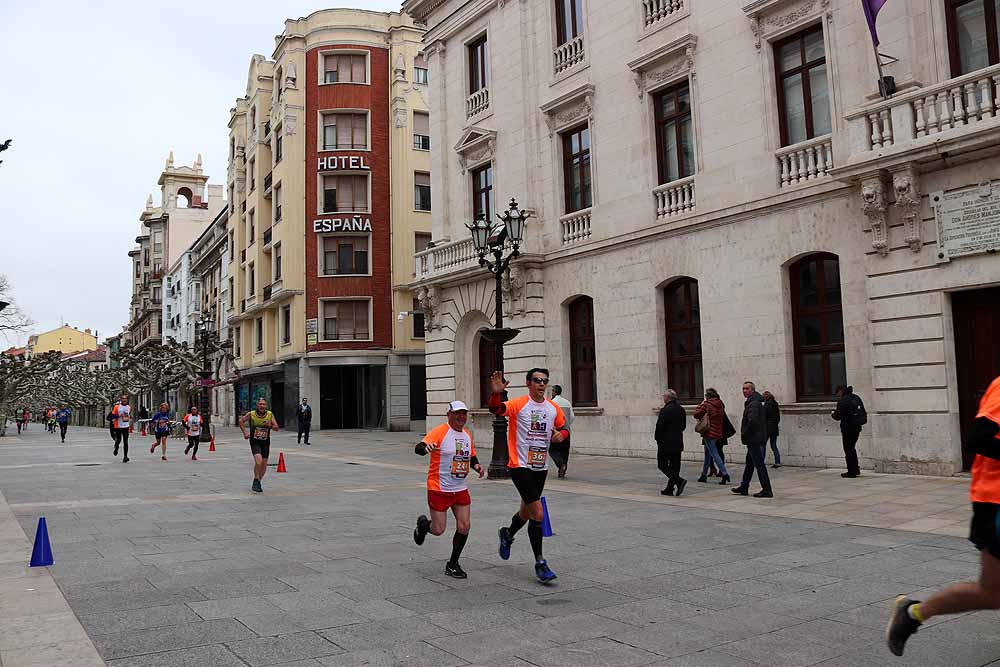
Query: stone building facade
{"x": 720, "y": 193}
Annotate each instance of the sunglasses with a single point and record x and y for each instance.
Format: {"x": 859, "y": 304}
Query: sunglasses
{"x": 540, "y": 380}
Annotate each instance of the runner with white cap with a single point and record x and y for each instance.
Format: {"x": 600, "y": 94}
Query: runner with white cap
{"x": 453, "y": 453}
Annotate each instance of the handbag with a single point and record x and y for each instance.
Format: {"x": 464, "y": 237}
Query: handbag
{"x": 728, "y": 430}
{"x": 703, "y": 424}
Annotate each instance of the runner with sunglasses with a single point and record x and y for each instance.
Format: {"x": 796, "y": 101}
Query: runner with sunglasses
{"x": 533, "y": 422}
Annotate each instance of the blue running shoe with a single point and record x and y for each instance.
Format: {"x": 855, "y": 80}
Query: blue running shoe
{"x": 505, "y": 542}
{"x": 542, "y": 571}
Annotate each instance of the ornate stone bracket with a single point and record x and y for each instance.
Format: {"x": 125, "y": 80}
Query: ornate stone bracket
{"x": 665, "y": 64}
{"x": 290, "y": 76}
{"x": 769, "y": 16}
{"x": 512, "y": 285}
{"x": 430, "y": 303}
{"x": 906, "y": 185}
{"x": 873, "y": 203}
{"x": 476, "y": 145}
{"x": 565, "y": 110}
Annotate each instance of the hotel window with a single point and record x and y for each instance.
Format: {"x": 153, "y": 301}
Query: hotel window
{"x": 583, "y": 349}
{"x": 259, "y": 334}
{"x": 347, "y": 68}
{"x": 420, "y": 73}
{"x": 277, "y": 203}
{"x": 253, "y": 175}
{"x": 345, "y": 320}
{"x": 576, "y": 169}
{"x": 277, "y": 261}
{"x": 418, "y": 320}
{"x": 569, "y": 20}
{"x": 345, "y": 255}
{"x": 286, "y": 325}
{"x": 674, "y": 134}
{"x": 421, "y": 131}
{"x": 345, "y": 131}
{"x": 482, "y": 192}
{"x": 251, "y": 275}
{"x": 422, "y": 191}
{"x": 342, "y": 193}
{"x": 277, "y": 146}
{"x": 479, "y": 69}
{"x": 803, "y": 96}
{"x": 973, "y": 34}
{"x": 683, "y": 328}
{"x": 818, "y": 324}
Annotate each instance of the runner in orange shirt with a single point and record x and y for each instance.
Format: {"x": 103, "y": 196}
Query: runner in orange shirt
{"x": 533, "y": 422}
{"x": 908, "y": 615}
{"x": 453, "y": 453}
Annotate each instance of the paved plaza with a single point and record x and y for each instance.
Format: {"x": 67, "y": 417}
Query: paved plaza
{"x": 177, "y": 563}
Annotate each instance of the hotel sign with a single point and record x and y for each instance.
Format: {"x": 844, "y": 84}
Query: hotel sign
{"x": 968, "y": 221}
{"x": 342, "y": 163}
{"x": 353, "y": 223}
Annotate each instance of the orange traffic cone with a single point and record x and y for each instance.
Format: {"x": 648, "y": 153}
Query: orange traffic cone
{"x": 211, "y": 444}
{"x": 281, "y": 462}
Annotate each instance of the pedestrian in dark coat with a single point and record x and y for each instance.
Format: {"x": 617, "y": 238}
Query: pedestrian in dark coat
{"x": 753, "y": 433}
{"x": 772, "y": 415}
{"x": 670, "y": 442}
{"x": 715, "y": 410}
{"x": 852, "y": 416}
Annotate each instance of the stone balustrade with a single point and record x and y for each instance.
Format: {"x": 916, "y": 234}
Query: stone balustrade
{"x": 445, "y": 258}
{"x": 575, "y": 226}
{"x": 805, "y": 161}
{"x": 569, "y": 54}
{"x": 477, "y": 102}
{"x": 674, "y": 198}
{"x": 654, "y": 11}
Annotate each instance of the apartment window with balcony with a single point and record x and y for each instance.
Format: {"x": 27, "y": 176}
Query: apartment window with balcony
{"x": 258, "y": 328}
{"x": 482, "y": 192}
{"x": 253, "y": 174}
{"x": 277, "y": 146}
{"x": 674, "y": 134}
{"x": 418, "y": 320}
{"x": 803, "y": 95}
{"x": 343, "y": 193}
{"x": 576, "y": 169}
{"x": 973, "y": 34}
{"x": 286, "y": 325}
{"x": 345, "y": 320}
{"x": 818, "y": 326}
{"x": 157, "y": 295}
{"x": 277, "y": 261}
{"x": 569, "y": 20}
{"x": 157, "y": 269}
{"x": 479, "y": 69}
{"x": 345, "y": 131}
{"x": 345, "y": 255}
{"x": 421, "y": 241}
{"x": 421, "y": 131}
{"x": 251, "y": 280}
{"x": 345, "y": 68}
{"x": 421, "y": 191}
{"x": 277, "y": 203}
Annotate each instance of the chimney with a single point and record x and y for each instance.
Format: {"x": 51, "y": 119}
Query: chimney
{"x": 86, "y": 331}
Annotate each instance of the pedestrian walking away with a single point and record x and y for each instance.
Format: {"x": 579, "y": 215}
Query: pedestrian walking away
{"x": 192, "y": 427}
{"x": 25, "y": 418}
{"x": 852, "y": 416}
{"x": 160, "y": 423}
{"x": 984, "y": 492}
{"x": 772, "y": 415}
{"x": 753, "y": 433}
{"x": 63, "y": 415}
{"x": 120, "y": 419}
{"x": 453, "y": 454}
{"x": 260, "y": 422}
{"x": 304, "y": 414}
{"x": 533, "y": 422}
{"x": 560, "y": 450}
{"x": 711, "y": 414}
{"x": 669, "y": 436}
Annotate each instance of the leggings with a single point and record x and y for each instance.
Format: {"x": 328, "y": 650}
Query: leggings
{"x": 193, "y": 443}
{"x": 121, "y": 437}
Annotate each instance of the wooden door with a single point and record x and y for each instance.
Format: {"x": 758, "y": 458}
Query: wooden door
{"x": 977, "y": 329}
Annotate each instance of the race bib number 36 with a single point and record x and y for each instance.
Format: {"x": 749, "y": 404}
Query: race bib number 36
{"x": 537, "y": 456}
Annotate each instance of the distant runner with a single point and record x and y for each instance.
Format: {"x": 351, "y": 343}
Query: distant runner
{"x": 453, "y": 453}
{"x": 261, "y": 423}
{"x": 62, "y": 418}
{"x": 160, "y": 423}
{"x": 192, "y": 426}
{"x": 120, "y": 418}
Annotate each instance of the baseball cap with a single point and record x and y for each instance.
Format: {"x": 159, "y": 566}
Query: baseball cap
{"x": 455, "y": 406}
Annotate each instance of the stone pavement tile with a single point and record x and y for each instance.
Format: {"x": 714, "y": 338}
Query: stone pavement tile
{"x": 798, "y": 579}
{"x": 740, "y": 622}
{"x": 247, "y": 587}
{"x": 202, "y": 656}
{"x": 326, "y": 580}
{"x": 383, "y": 634}
{"x": 772, "y": 649}
{"x": 133, "y": 585}
{"x": 594, "y": 653}
{"x": 391, "y": 588}
{"x": 17, "y": 633}
{"x": 672, "y": 639}
{"x": 23, "y": 601}
{"x": 745, "y": 569}
{"x": 232, "y": 607}
{"x": 283, "y": 649}
{"x": 174, "y": 557}
{"x": 652, "y": 587}
{"x": 460, "y": 621}
{"x": 714, "y": 598}
{"x": 345, "y": 565}
{"x": 827, "y": 600}
{"x": 648, "y": 612}
{"x": 709, "y": 658}
{"x": 564, "y": 603}
{"x": 140, "y": 642}
{"x": 408, "y": 654}
{"x": 151, "y": 617}
{"x": 831, "y": 633}
{"x": 137, "y": 600}
{"x": 493, "y": 644}
{"x": 285, "y": 623}
{"x": 302, "y": 600}
{"x": 578, "y": 627}
{"x": 381, "y": 610}
{"x": 477, "y": 596}
{"x": 521, "y": 578}
{"x": 60, "y": 654}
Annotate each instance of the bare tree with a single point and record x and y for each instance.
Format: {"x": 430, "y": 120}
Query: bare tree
{"x": 12, "y": 319}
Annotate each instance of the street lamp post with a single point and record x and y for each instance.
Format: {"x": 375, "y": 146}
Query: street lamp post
{"x": 205, "y": 374}
{"x": 491, "y": 240}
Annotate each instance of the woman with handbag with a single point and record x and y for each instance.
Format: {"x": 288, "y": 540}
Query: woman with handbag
{"x": 711, "y": 416}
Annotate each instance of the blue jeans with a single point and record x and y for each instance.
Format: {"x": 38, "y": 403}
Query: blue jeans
{"x": 712, "y": 454}
{"x": 773, "y": 439}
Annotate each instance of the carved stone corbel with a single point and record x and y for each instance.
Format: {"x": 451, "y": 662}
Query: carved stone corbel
{"x": 874, "y": 205}
{"x": 512, "y": 286}
{"x": 430, "y": 302}
{"x": 906, "y": 185}
{"x": 755, "y": 29}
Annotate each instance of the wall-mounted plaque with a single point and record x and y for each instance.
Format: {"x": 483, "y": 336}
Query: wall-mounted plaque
{"x": 968, "y": 220}
{"x": 312, "y": 326}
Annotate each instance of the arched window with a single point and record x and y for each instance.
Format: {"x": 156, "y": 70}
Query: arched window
{"x": 583, "y": 352}
{"x": 184, "y": 198}
{"x": 683, "y": 328}
{"x": 818, "y": 323}
{"x": 487, "y": 364}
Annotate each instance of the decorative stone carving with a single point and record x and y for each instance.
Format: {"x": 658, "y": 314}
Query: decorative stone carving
{"x": 477, "y": 155}
{"x": 512, "y": 286}
{"x": 756, "y": 30}
{"x": 873, "y": 203}
{"x": 290, "y": 76}
{"x": 569, "y": 109}
{"x": 791, "y": 17}
{"x": 399, "y": 117}
{"x": 906, "y": 185}
{"x": 670, "y": 64}
{"x": 430, "y": 303}
{"x": 289, "y": 124}
{"x": 767, "y": 20}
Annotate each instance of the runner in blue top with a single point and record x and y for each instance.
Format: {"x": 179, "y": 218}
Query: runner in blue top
{"x": 161, "y": 429}
{"x": 62, "y": 418}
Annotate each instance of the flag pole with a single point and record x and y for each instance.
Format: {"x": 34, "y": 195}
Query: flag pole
{"x": 881, "y": 76}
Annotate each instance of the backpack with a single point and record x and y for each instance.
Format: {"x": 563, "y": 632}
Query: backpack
{"x": 858, "y": 416}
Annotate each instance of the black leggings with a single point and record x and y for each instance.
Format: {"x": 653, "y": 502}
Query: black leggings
{"x": 121, "y": 437}
{"x": 193, "y": 443}
{"x": 62, "y": 429}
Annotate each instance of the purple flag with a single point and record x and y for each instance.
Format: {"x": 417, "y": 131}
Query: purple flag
{"x": 872, "y": 8}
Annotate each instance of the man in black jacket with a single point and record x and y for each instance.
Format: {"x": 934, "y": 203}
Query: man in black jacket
{"x": 304, "y": 413}
{"x": 849, "y": 409}
{"x": 670, "y": 442}
{"x": 753, "y": 433}
{"x": 772, "y": 415}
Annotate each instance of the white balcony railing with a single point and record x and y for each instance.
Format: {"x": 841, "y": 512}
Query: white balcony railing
{"x": 445, "y": 258}
{"x": 569, "y": 54}
{"x": 654, "y": 11}
{"x": 805, "y": 161}
{"x": 674, "y": 198}
{"x": 477, "y": 102}
{"x": 575, "y": 226}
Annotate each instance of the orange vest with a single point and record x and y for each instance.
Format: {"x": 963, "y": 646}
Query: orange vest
{"x": 985, "y": 487}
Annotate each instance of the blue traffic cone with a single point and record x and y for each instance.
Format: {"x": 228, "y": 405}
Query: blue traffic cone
{"x": 546, "y": 526}
{"x": 41, "y": 555}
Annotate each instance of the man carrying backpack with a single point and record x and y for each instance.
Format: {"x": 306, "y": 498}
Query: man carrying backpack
{"x": 852, "y": 416}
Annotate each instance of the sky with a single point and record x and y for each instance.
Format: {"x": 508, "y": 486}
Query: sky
{"x": 97, "y": 95}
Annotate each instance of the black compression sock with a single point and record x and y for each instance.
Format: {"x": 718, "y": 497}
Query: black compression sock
{"x": 535, "y": 535}
{"x": 457, "y": 544}
{"x": 516, "y": 523}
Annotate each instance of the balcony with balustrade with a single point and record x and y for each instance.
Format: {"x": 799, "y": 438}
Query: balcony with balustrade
{"x": 569, "y": 54}
{"x": 656, "y": 13}
{"x": 805, "y": 161}
{"x": 674, "y": 199}
{"x": 477, "y": 103}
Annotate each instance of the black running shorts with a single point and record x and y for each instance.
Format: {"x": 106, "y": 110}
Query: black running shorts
{"x": 984, "y": 530}
{"x": 529, "y": 483}
{"x": 262, "y": 447}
